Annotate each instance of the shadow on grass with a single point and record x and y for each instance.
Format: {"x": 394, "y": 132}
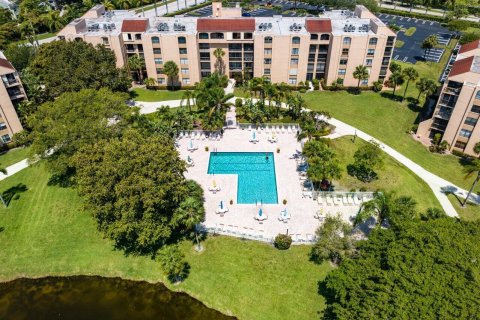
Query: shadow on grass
{"x": 13, "y": 193}
{"x": 391, "y": 96}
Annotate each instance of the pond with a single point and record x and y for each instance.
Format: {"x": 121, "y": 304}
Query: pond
{"x": 86, "y": 297}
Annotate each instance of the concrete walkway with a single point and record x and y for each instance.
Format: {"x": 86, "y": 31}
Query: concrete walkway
{"x": 14, "y": 168}
{"x": 423, "y": 11}
{"x": 439, "y": 186}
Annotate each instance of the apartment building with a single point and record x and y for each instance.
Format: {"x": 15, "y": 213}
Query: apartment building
{"x": 284, "y": 49}
{"x": 457, "y": 110}
{"x": 11, "y": 93}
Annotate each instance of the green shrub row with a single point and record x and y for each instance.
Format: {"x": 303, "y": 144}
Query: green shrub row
{"x": 183, "y": 11}
{"x": 340, "y": 87}
{"x": 158, "y": 87}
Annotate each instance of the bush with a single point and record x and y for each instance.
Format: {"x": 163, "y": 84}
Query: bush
{"x": 469, "y": 37}
{"x": 414, "y": 128}
{"x": 362, "y": 173}
{"x": 282, "y": 241}
{"x": 316, "y": 84}
{"x": 303, "y": 90}
{"x": 377, "y": 86}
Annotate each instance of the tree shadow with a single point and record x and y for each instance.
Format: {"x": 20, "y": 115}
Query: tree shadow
{"x": 2, "y": 229}
{"x": 13, "y": 193}
{"x": 61, "y": 180}
{"x": 329, "y": 296}
{"x": 391, "y": 96}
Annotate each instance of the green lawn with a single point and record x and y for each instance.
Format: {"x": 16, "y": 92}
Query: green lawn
{"x": 470, "y": 213}
{"x": 46, "y": 232}
{"x": 146, "y": 95}
{"x": 392, "y": 177}
{"x": 399, "y": 44}
{"x": 410, "y": 31}
{"x": 13, "y": 156}
{"x": 39, "y": 37}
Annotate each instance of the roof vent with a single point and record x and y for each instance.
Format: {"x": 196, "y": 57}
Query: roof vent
{"x": 163, "y": 26}
{"x": 296, "y": 27}
{"x": 93, "y": 27}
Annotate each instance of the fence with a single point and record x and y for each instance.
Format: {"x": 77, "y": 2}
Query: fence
{"x": 358, "y": 196}
{"x": 199, "y": 134}
{"x": 272, "y": 127}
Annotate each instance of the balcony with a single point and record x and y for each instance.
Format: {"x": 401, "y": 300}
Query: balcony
{"x": 16, "y": 94}
{"x": 443, "y": 115}
{"x": 452, "y": 90}
{"x": 439, "y": 127}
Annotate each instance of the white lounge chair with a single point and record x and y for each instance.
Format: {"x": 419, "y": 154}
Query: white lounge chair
{"x": 329, "y": 200}
{"x": 249, "y": 128}
{"x": 344, "y": 200}
{"x": 289, "y": 129}
{"x": 320, "y": 200}
{"x": 337, "y": 201}
{"x": 350, "y": 200}
{"x": 356, "y": 200}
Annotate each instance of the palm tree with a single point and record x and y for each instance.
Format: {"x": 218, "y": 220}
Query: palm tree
{"x": 380, "y": 207}
{"x": 426, "y": 86}
{"x": 170, "y": 68}
{"x": 472, "y": 169}
{"x": 137, "y": 64}
{"x": 190, "y": 213}
{"x": 53, "y": 20}
{"x": 188, "y": 96}
{"x": 429, "y": 43}
{"x": 360, "y": 73}
{"x": 150, "y": 82}
{"x": 411, "y": 75}
{"x": 476, "y": 148}
{"x": 396, "y": 78}
{"x": 219, "y": 64}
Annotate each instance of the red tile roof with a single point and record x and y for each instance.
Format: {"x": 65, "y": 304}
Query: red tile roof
{"x": 318, "y": 25}
{"x": 134, "y": 25}
{"x": 469, "y": 46}
{"x": 461, "y": 66}
{"x": 6, "y": 64}
{"x": 226, "y": 24}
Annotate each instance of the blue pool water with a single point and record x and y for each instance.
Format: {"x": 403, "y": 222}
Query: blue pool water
{"x": 256, "y": 174}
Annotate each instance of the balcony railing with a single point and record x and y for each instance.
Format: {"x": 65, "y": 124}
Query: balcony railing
{"x": 443, "y": 115}
{"x": 452, "y": 90}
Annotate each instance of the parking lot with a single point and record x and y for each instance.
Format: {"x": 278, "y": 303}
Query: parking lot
{"x": 412, "y": 50}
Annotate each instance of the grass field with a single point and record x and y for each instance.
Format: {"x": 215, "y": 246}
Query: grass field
{"x": 39, "y": 37}
{"x": 13, "y": 156}
{"x": 470, "y": 213}
{"x": 146, "y": 95}
{"x": 399, "y": 44}
{"x": 410, "y": 31}
{"x": 392, "y": 177}
{"x": 46, "y": 232}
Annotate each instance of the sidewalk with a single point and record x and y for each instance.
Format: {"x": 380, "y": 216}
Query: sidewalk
{"x": 14, "y": 168}
{"x": 422, "y": 11}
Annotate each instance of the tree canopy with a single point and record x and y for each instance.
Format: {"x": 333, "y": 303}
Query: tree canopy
{"x": 74, "y": 120}
{"x": 65, "y": 66}
{"x": 423, "y": 270}
{"x": 133, "y": 185}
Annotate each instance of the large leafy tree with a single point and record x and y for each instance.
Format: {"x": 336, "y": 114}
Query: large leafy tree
{"x": 423, "y": 270}
{"x": 64, "y": 66}
{"x": 368, "y": 158}
{"x": 76, "y": 119}
{"x": 133, "y": 185}
{"x": 323, "y": 165}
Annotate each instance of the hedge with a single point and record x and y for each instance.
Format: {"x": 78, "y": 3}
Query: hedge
{"x": 173, "y": 14}
{"x": 158, "y": 87}
{"x": 342, "y": 87}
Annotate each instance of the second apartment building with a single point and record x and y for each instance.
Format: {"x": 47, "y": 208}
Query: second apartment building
{"x": 283, "y": 49}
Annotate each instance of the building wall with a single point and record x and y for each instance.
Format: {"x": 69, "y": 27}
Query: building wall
{"x": 8, "y": 114}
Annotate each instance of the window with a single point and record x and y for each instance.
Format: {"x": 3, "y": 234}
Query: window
{"x": 204, "y": 46}
{"x": 203, "y": 35}
{"x": 183, "y": 61}
{"x": 312, "y": 49}
{"x": 267, "y": 61}
{"x": 267, "y": 72}
{"x": 161, "y": 80}
{"x": 155, "y": 40}
{"x": 236, "y": 35}
{"x": 6, "y": 138}
{"x": 235, "y": 65}
{"x": 138, "y": 36}
{"x": 370, "y": 52}
{"x": 267, "y": 51}
{"x": 159, "y": 70}
{"x": 364, "y": 82}
{"x": 460, "y": 145}
{"x": 248, "y": 47}
{"x": 247, "y": 35}
{"x": 182, "y": 40}
{"x": 372, "y": 41}
{"x": 182, "y": 50}
{"x": 314, "y": 37}
{"x": 3, "y": 126}
{"x": 292, "y": 80}
{"x": 296, "y": 40}
{"x": 204, "y": 74}
{"x": 236, "y": 56}
{"x": 267, "y": 40}
{"x": 158, "y": 60}
{"x": 368, "y": 62}
{"x": 345, "y": 51}
{"x": 342, "y": 72}
{"x": 465, "y": 133}
{"x": 343, "y": 62}
{"x": 325, "y": 37}
{"x": 216, "y": 35}
{"x": 105, "y": 41}
{"x": 186, "y": 80}
{"x": 347, "y": 40}
{"x": 234, "y": 46}
{"x": 157, "y": 51}
{"x": 205, "y": 65}
{"x": 477, "y": 96}
{"x": 294, "y": 62}
{"x": 204, "y": 56}
{"x": 476, "y": 109}
{"x": 471, "y": 121}
{"x": 295, "y": 51}
{"x": 184, "y": 70}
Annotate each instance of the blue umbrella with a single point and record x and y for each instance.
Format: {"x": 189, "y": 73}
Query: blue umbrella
{"x": 221, "y": 205}
{"x": 253, "y": 133}
{"x": 191, "y": 144}
{"x": 188, "y": 159}
{"x": 260, "y": 212}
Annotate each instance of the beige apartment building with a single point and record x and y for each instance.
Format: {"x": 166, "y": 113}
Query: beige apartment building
{"x": 458, "y": 108}
{"x": 283, "y": 49}
{"x": 11, "y": 93}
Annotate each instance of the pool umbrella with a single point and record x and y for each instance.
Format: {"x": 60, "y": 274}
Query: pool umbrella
{"x": 221, "y": 205}
{"x": 253, "y": 135}
{"x": 260, "y": 212}
{"x": 188, "y": 159}
{"x": 214, "y": 183}
{"x": 191, "y": 144}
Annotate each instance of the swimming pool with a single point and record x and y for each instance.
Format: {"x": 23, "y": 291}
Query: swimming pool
{"x": 256, "y": 174}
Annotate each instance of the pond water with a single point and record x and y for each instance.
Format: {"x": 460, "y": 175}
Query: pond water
{"x": 85, "y": 297}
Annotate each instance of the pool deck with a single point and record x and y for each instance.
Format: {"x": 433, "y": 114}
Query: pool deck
{"x": 240, "y": 217}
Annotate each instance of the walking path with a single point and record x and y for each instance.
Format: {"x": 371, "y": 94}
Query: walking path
{"x": 422, "y": 11}
{"x": 14, "y": 168}
{"x": 172, "y": 7}
{"x": 439, "y": 186}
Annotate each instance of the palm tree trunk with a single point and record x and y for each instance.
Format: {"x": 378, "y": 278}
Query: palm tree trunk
{"x": 155, "y": 6}
{"x": 471, "y": 189}
{"x": 394, "y": 87}
{"x": 178, "y": 5}
{"x": 196, "y": 238}
{"x": 186, "y": 4}
{"x": 358, "y": 84}
{"x": 166, "y": 6}
{"x": 406, "y": 87}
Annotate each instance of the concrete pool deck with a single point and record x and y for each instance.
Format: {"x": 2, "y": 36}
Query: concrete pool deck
{"x": 240, "y": 217}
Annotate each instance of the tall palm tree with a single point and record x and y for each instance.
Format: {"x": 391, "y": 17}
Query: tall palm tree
{"x": 380, "y": 207}
{"x": 429, "y": 43}
{"x": 360, "y": 73}
{"x": 137, "y": 64}
{"x": 426, "y": 86}
{"x": 219, "y": 63}
{"x": 396, "y": 77}
{"x": 53, "y": 20}
{"x": 190, "y": 213}
{"x": 470, "y": 170}
{"x": 188, "y": 97}
{"x": 170, "y": 68}
{"x": 411, "y": 75}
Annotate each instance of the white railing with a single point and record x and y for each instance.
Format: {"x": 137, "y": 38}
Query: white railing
{"x": 199, "y": 134}
{"x": 272, "y": 127}
{"x": 359, "y": 196}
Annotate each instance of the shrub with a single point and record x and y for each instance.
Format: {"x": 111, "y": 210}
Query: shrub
{"x": 316, "y": 84}
{"x": 377, "y": 86}
{"x": 282, "y": 241}
{"x": 303, "y": 90}
{"x": 238, "y": 103}
{"x": 469, "y": 37}
{"x": 362, "y": 189}
{"x": 206, "y": 148}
